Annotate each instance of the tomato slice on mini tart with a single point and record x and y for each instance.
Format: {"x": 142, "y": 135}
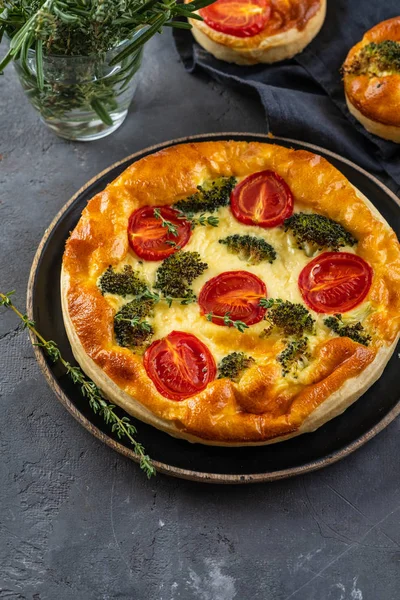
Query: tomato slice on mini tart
{"x": 236, "y": 294}
{"x": 241, "y": 18}
{"x": 179, "y": 365}
{"x": 335, "y": 282}
{"x": 149, "y": 236}
{"x": 262, "y": 199}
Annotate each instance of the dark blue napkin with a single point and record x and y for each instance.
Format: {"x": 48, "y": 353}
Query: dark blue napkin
{"x": 303, "y": 97}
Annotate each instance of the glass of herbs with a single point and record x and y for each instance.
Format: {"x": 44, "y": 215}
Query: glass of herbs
{"x": 77, "y": 60}
{"x": 82, "y": 98}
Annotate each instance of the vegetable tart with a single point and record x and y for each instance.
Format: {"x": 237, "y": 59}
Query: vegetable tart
{"x": 232, "y": 293}
{"x": 372, "y": 80}
{"x": 247, "y": 32}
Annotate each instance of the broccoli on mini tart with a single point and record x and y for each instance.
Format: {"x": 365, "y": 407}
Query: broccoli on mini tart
{"x": 376, "y": 59}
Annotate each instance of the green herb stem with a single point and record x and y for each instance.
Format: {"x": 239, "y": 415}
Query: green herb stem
{"x": 121, "y": 426}
{"x": 239, "y": 325}
{"x": 172, "y": 229}
{"x": 84, "y": 29}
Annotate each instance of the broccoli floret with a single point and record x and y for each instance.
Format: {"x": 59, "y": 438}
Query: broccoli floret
{"x": 129, "y": 327}
{"x": 375, "y": 59}
{"x": 233, "y": 365}
{"x": 210, "y": 197}
{"x": 354, "y": 331}
{"x": 177, "y": 272}
{"x": 250, "y": 248}
{"x": 293, "y": 319}
{"x": 294, "y": 356}
{"x": 122, "y": 283}
{"x": 315, "y": 232}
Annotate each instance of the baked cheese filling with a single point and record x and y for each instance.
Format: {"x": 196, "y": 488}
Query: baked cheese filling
{"x": 237, "y": 276}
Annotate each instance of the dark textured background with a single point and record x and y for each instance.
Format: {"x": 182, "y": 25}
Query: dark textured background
{"x": 79, "y": 522}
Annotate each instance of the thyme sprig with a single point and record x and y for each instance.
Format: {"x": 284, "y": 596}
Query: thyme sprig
{"x": 239, "y": 325}
{"x": 172, "y": 229}
{"x": 203, "y": 220}
{"x": 156, "y": 297}
{"x": 144, "y": 325}
{"x": 121, "y": 426}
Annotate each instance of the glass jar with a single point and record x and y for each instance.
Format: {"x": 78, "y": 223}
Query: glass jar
{"x": 82, "y": 98}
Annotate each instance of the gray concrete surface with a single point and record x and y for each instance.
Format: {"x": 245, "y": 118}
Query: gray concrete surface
{"x": 78, "y": 521}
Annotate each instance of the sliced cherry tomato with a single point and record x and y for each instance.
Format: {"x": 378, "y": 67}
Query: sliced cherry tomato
{"x": 179, "y": 365}
{"x": 235, "y": 292}
{"x": 335, "y": 282}
{"x": 241, "y": 18}
{"x": 148, "y": 236}
{"x": 262, "y": 199}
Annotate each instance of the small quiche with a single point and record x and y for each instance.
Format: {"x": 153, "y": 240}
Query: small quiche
{"x": 232, "y": 293}
{"x": 247, "y": 32}
{"x": 372, "y": 80}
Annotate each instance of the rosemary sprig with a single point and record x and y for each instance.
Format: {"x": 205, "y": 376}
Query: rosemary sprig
{"x": 121, "y": 426}
{"x": 83, "y": 28}
{"x": 239, "y": 325}
{"x": 87, "y": 29}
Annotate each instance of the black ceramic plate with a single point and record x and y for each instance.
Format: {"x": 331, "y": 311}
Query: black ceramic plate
{"x": 369, "y": 415}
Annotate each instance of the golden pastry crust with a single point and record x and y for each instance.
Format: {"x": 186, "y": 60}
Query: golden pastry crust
{"x": 373, "y": 100}
{"x": 263, "y": 407}
{"x": 291, "y": 27}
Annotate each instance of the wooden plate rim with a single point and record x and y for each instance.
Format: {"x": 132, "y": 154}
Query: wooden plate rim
{"x": 163, "y": 467}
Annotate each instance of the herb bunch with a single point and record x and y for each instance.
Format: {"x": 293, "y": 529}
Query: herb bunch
{"x": 86, "y": 28}
{"x": 121, "y": 426}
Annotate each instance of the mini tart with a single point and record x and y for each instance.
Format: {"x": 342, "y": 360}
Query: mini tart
{"x": 290, "y": 28}
{"x": 375, "y": 100}
{"x": 264, "y": 406}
